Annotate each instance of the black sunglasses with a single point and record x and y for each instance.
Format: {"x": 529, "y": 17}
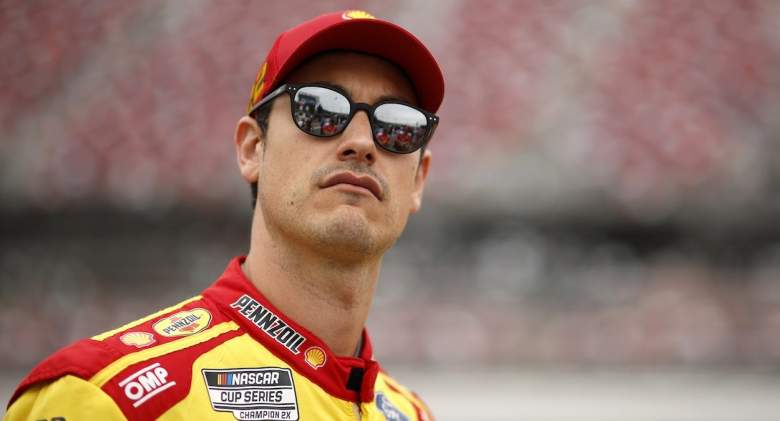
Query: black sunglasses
{"x": 325, "y": 111}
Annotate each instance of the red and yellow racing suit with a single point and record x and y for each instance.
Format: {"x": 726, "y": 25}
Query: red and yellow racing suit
{"x": 227, "y": 354}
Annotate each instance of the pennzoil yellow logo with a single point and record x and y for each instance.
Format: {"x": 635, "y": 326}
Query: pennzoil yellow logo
{"x": 357, "y": 14}
{"x": 183, "y": 323}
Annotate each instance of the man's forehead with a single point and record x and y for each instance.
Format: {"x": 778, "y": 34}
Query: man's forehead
{"x": 357, "y": 74}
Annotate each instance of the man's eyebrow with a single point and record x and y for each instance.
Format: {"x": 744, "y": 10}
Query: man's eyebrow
{"x": 349, "y": 94}
{"x": 335, "y": 86}
{"x": 392, "y": 98}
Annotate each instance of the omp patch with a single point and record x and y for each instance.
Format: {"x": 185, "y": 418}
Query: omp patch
{"x": 253, "y": 393}
{"x": 389, "y": 410}
{"x": 183, "y": 323}
{"x": 145, "y": 383}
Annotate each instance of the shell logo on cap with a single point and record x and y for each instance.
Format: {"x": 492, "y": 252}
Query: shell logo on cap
{"x": 137, "y": 339}
{"x": 257, "y": 88}
{"x": 315, "y": 357}
{"x": 357, "y": 14}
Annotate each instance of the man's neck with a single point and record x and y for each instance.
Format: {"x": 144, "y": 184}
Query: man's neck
{"x": 327, "y": 297}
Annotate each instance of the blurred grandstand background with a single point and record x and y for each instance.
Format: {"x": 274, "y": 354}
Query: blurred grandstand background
{"x": 605, "y": 187}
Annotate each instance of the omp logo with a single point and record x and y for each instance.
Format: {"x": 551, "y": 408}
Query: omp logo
{"x": 145, "y": 383}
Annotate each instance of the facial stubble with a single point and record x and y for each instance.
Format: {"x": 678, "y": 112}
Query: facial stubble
{"x": 342, "y": 233}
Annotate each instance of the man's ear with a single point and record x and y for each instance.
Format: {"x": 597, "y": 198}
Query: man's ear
{"x": 248, "y": 148}
{"x": 419, "y": 181}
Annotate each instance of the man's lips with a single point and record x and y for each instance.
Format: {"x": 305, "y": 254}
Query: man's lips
{"x": 365, "y": 181}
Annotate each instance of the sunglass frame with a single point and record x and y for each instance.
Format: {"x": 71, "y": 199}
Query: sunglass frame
{"x": 354, "y": 107}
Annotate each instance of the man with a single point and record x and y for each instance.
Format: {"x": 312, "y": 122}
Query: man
{"x": 280, "y": 335}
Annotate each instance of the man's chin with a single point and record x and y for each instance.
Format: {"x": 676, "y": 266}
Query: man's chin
{"x": 348, "y": 221}
{"x": 350, "y": 232}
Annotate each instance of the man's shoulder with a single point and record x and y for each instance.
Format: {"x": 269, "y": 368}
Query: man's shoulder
{"x": 80, "y": 359}
{"x": 392, "y": 396}
{"x": 102, "y": 358}
{"x": 66, "y": 398}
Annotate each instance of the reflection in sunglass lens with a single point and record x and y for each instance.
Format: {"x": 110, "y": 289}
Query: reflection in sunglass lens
{"x": 324, "y": 112}
{"x": 399, "y": 128}
{"x": 320, "y": 111}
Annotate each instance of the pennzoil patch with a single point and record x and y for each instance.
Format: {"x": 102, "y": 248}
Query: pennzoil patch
{"x": 253, "y": 393}
{"x": 183, "y": 323}
{"x": 269, "y": 323}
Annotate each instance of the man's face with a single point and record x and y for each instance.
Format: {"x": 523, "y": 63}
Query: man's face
{"x": 305, "y": 183}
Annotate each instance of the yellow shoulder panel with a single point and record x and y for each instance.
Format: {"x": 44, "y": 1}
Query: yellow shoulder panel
{"x": 68, "y": 398}
{"x": 400, "y": 390}
{"x": 144, "y": 320}
{"x": 100, "y": 378}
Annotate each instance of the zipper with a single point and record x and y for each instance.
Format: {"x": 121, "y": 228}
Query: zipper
{"x": 358, "y": 411}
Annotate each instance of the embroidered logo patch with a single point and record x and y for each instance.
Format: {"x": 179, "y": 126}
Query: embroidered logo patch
{"x": 356, "y": 14}
{"x": 257, "y": 88}
{"x": 184, "y": 323}
{"x": 253, "y": 393}
{"x": 269, "y": 323}
{"x": 390, "y": 411}
{"x": 137, "y": 339}
{"x": 315, "y": 357}
{"x": 145, "y": 383}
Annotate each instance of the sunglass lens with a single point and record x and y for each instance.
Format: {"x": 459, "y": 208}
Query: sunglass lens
{"x": 320, "y": 111}
{"x": 399, "y": 128}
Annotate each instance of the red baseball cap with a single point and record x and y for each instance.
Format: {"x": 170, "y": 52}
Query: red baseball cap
{"x": 352, "y": 30}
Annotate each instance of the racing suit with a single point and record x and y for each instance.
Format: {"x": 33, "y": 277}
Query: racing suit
{"x": 227, "y": 354}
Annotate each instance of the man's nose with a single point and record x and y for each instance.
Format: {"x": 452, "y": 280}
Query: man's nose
{"x": 357, "y": 141}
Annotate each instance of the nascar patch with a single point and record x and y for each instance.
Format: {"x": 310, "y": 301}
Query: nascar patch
{"x": 253, "y": 393}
